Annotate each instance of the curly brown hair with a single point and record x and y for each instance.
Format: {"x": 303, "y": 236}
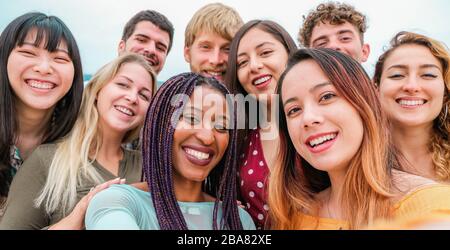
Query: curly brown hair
{"x": 439, "y": 143}
{"x": 335, "y": 13}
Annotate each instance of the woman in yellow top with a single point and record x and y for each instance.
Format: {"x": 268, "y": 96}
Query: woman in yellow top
{"x": 413, "y": 78}
{"x": 339, "y": 168}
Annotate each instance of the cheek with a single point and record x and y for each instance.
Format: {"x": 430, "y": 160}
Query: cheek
{"x": 294, "y": 134}
{"x": 67, "y": 75}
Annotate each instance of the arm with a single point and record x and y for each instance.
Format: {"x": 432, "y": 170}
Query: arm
{"x": 112, "y": 209}
{"x": 75, "y": 220}
{"x": 20, "y": 211}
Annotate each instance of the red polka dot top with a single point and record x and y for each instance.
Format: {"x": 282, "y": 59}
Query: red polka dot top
{"x": 253, "y": 173}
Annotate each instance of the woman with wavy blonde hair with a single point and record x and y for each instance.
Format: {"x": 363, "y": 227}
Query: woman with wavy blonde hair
{"x": 338, "y": 167}
{"x": 413, "y": 78}
{"x": 47, "y": 192}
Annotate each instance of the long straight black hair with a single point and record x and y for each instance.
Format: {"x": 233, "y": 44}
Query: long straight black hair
{"x": 157, "y": 141}
{"x": 54, "y": 31}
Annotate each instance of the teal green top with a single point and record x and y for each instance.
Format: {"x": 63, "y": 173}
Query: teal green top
{"x": 127, "y": 207}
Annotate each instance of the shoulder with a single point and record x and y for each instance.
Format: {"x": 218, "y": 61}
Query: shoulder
{"x": 406, "y": 183}
{"x": 39, "y": 161}
{"x": 131, "y": 155}
{"x": 246, "y": 219}
{"x": 121, "y": 194}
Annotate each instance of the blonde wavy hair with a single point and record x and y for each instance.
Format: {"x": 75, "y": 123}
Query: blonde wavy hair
{"x": 439, "y": 143}
{"x": 367, "y": 187}
{"x": 75, "y": 153}
{"x": 215, "y": 18}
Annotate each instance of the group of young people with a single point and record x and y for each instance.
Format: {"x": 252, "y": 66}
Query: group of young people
{"x": 316, "y": 143}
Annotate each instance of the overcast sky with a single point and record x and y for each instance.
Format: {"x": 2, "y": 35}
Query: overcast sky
{"x": 97, "y": 24}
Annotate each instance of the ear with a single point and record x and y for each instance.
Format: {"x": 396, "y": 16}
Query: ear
{"x": 121, "y": 48}
{"x": 365, "y": 52}
{"x": 187, "y": 55}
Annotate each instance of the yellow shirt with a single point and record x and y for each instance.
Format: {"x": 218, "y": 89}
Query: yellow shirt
{"x": 429, "y": 205}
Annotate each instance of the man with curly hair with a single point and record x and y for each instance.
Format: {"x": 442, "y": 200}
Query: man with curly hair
{"x": 336, "y": 26}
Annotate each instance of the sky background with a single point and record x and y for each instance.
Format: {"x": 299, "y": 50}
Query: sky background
{"x": 97, "y": 24}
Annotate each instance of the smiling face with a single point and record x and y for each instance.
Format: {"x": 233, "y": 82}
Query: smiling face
{"x": 38, "y": 77}
{"x": 412, "y": 86}
{"x": 260, "y": 61}
{"x": 200, "y": 138}
{"x": 208, "y": 55}
{"x": 149, "y": 41}
{"x": 122, "y": 103}
{"x": 325, "y": 128}
{"x": 341, "y": 37}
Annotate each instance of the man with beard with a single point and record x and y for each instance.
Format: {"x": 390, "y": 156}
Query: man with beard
{"x": 148, "y": 33}
{"x": 207, "y": 39}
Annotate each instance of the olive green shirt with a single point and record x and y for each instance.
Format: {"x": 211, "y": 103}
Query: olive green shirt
{"x": 21, "y": 212}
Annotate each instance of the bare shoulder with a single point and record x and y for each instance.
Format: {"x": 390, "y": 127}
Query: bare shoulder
{"x": 141, "y": 185}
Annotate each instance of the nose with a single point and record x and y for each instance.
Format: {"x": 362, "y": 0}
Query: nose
{"x": 411, "y": 85}
{"x": 217, "y": 57}
{"x": 150, "y": 48}
{"x": 205, "y": 135}
{"x": 255, "y": 64}
{"x": 43, "y": 65}
{"x": 311, "y": 117}
{"x": 333, "y": 44}
{"x": 132, "y": 97}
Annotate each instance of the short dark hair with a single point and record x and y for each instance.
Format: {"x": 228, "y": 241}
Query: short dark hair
{"x": 51, "y": 30}
{"x": 152, "y": 16}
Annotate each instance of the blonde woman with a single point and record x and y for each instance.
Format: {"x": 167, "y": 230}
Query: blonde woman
{"x": 58, "y": 180}
{"x": 413, "y": 77}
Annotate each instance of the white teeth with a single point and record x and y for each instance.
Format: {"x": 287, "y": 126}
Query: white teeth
{"x": 124, "y": 110}
{"x": 411, "y": 103}
{"x": 40, "y": 85}
{"x": 321, "y": 140}
{"x": 261, "y": 80}
{"x": 197, "y": 154}
{"x": 214, "y": 73}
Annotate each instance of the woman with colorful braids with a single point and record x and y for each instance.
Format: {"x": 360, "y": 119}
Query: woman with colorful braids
{"x": 189, "y": 162}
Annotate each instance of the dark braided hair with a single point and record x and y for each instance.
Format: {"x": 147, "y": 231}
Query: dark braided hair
{"x": 157, "y": 137}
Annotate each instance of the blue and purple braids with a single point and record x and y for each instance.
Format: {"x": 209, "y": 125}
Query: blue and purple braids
{"x": 157, "y": 141}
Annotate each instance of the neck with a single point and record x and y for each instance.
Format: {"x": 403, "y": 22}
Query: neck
{"x": 32, "y": 122}
{"x": 110, "y": 151}
{"x": 189, "y": 191}
{"x": 332, "y": 200}
{"x": 413, "y": 143}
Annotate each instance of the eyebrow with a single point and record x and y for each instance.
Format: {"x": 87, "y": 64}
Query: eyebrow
{"x": 201, "y": 111}
{"x": 149, "y": 38}
{"x": 340, "y": 32}
{"x": 129, "y": 79}
{"x": 311, "y": 90}
{"x": 257, "y": 47}
{"x": 402, "y": 66}
{"x": 57, "y": 49}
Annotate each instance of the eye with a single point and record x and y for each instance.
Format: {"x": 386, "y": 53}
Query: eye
{"x": 221, "y": 127}
{"x": 26, "y": 53}
{"x": 429, "y": 76}
{"x": 61, "y": 59}
{"x": 346, "y": 39}
{"x": 396, "y": 76}
{"x": 145, "y": 97}
{"x": 266, "y": 53}
{"x": 326, "y": 97}
{"x": 122, "y": 85}
{"x": 293, "y": 111}
{"x": 140, "y": 39}
{"x": 226, "y": 49}
{"x": 242, "y": 63}
{"x": 191, "y": 119}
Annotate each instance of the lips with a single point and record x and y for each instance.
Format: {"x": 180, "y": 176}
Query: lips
{"x": 151, "y": 59}
{"x": 40, "y": 84}
{"x": 198, "y": 155}
{"x": 262, "y": 81}
{"x": 124, "y": 110}
{"x": 320, "y": 142}
{"x": 216, "y": 74}
{"x": 408, "y": 102}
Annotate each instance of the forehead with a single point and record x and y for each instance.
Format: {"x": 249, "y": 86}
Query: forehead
{"x": 301, "y": 78}
{"x": 210, "y": 37}
{"x": 136, "y": 73}
{"x": 40, "y": 38}
{"x": 255, "y": 37}
{"x": 205, "y": 98}
{"x": 327, "y": 29}
{"x": 149, "y": 29}
{"x": 410, "y": 54}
